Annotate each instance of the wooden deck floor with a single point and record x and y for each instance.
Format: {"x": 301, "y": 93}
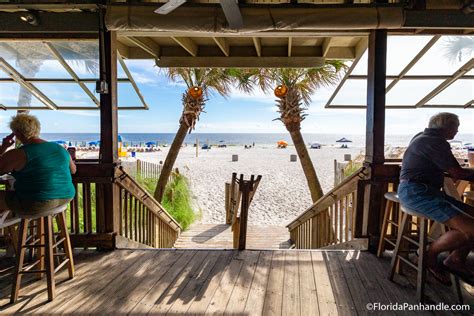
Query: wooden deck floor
{"x": 286, "y": 282}
{"x": 220, "y": 237}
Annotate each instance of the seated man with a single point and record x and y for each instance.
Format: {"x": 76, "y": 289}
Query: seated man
{"x": 42, "y": 170}
{"x": 425, "y": 161}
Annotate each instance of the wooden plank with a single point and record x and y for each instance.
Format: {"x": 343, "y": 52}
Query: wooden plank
{"x": 172, "y": 292}
{"x": 118, "y": 288}
{"x": 291, "y": 289}
{"x": 97, "y": 284}
{"x": 195, "y": 284}
{"x": 236, "y": 304}
{"x": 324, "y": 289}
{"x": 274, "y": 293}
{"x": 308, "y": 295}
{"x": 358, "y": 292}
{"x": 205, "y": 295}
{"x": 255, "y": 300}
{"x": 370, "y": 280}
{"x": 125, "y": 299}
{"x": 344, "y": 301}
{"x": 75, "y": 290}
{"x": 154, "y": 293}
{"x": 223, "y": 292}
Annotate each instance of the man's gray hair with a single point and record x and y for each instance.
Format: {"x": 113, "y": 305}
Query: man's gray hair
{"x": 444, "y": 120}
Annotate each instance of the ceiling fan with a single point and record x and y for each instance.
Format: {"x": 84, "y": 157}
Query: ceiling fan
{"x": 230, "y": 8}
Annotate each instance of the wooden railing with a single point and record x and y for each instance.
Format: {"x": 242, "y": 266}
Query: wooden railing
{"x": 142, "y": 218}
{"x": 331, "y": 219}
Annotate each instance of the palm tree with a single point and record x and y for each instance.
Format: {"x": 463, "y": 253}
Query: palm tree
{"x": 295, "y": 87}
{"x": 200, "y": 82}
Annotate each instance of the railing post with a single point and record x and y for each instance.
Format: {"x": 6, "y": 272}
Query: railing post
{"x": 228, "y": 218}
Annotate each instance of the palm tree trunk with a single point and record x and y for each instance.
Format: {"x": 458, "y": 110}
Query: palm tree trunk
{"x": 308, "y": 168}
{"x": 169, "y": 161}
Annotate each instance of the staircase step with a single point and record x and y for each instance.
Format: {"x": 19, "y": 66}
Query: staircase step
{"x": 220, "y": 236}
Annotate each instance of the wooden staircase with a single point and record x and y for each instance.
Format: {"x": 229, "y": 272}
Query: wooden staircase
{"x": 219, "y": 236}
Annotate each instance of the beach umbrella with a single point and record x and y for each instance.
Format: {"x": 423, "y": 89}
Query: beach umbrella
{"x": 149, "y": 144}
{"x": 282, "y": 143}
{"x": 343, "y": 140}
{"x": 95, "y": 143}
{"x": 60, "y": 142}
{"x": 120, "y": 139}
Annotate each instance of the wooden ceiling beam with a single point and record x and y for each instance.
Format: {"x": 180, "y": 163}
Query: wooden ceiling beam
{"x": 188, "y": 44}
{"x": 147, "y": 44}
{"x": 223, "y": 45}
{"x": 241, "y": 62}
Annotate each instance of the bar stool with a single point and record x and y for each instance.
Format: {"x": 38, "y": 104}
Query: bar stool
{"x": 9, "y": 227}
{"x": 46, "y": 244}
{"x": 404, "y": 234}
{"x": 390, "y": 216}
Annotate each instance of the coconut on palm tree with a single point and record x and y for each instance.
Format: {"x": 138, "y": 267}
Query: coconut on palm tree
{"x": 200, "y": 83}
{"x": 295, "y": 87}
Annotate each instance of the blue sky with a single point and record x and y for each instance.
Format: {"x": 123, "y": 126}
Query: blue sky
{"x": 241, "y": 113}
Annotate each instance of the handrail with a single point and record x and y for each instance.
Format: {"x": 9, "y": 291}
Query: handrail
{"x": 331, "y": 219}
{"x": 325, "y": 201}
{"x": 143, "y": 219}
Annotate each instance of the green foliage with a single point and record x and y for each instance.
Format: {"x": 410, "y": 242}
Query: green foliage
{"x": 176, "y": 200}
{"x": 351, "y": 168}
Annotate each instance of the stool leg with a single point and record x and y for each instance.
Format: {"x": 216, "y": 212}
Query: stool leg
{"x": 41, "y": 250}
{"x": 23, "y": 230}
{"x": 61, "y": 218}
{"x": 421, "y": 277}
{"x": 14, "y": 238}
{"x": 401, "y": 231}
{"x": 383, "y": 232}
{"x": 49, "y": 257}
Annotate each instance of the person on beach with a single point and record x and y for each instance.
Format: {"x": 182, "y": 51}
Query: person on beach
{"x": 425, "y": 161}
{"x": 42, "y": 170}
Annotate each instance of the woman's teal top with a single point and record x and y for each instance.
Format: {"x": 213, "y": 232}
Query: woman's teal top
{"x": 46, "y": 174}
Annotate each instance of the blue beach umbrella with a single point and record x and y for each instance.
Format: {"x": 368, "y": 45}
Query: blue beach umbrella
{"x": 60, "y": 142}
{"x": 149, "y": 144}
{"x": 95, "y": 143}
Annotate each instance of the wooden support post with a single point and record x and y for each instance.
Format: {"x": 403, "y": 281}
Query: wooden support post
{"x": 109, "y": 121}
{"x": 246, "y": 187}
{"x": 375, "y": 132}
{"x": 228, "y": 218}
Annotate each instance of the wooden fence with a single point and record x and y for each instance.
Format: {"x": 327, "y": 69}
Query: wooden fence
{"x": 143, "y": 169}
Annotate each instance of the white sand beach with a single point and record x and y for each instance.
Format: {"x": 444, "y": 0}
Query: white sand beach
{"x": 282, "y": 193}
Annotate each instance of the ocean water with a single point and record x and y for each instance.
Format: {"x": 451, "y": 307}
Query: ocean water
{"x": 234, "y": 138}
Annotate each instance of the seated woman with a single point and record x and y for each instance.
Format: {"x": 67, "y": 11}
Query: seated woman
{"x": 425, "y": 161}
{"x": 42, "y": 170}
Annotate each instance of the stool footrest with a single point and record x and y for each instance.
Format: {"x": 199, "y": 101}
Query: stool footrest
{"x": 29, "y": 266}
{"x": 390, "y": 242}
{"x": 392, "y": 222}
{"x": 411, "y": 240}
{"x": 408, "y": 262}
{"x": 58, "y": 242}
{"x": 62, "y": 264}
{"x": 32, "y": 271}
{"x": 34, "y": 246}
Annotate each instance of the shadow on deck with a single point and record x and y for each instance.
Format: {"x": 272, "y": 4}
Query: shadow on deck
{"x": 222, "y": 281}
{"x": 220, "y": 236}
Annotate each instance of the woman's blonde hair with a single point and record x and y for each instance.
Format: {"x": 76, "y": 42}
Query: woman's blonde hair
{"x": 444, "y": 120}
{"x": 26, "y": 125}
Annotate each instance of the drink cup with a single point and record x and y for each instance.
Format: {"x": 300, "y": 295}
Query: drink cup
{"x": 470, "y": 157}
